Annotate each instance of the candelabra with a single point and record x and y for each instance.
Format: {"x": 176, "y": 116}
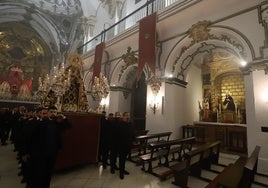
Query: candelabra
{"x": 155, "y": 84}
{"x": 58, "y": 82}
{"x": 100, "y": 89}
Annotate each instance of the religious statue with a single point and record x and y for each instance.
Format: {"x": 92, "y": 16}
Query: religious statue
{"x": 229, "y": 103}
{"x": 204, "y": 110}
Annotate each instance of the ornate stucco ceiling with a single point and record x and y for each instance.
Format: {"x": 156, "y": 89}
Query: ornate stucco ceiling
{"x": 35, "y": 35}
{"x": 57, "y": 23}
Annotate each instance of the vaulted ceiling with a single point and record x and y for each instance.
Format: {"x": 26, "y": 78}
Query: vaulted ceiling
{"x": 35, "y": 35}
{"x": 43, "y": 30}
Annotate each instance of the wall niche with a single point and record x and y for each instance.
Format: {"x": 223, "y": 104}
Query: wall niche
{"x": 223, "y": 89}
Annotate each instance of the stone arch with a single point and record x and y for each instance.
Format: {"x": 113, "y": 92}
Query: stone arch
{"x": 186, "y": 51}
{"x": 124, "y": 74}
{"x": 87, "y": 80}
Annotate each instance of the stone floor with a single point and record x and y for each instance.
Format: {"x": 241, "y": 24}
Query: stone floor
{"x": 94, "y": 176}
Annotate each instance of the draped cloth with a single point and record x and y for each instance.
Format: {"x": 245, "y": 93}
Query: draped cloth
{"x": 97, "y": 60}
{"x": 147, "y": 44}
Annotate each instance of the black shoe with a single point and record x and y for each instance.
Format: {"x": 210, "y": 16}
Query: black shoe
{"x": 20, "y": 173}
{"x": 126, "y": 172}
{"x": 121, "y": 176}
{"x": 23, "y": 180}
{"x": 112, "y": 170}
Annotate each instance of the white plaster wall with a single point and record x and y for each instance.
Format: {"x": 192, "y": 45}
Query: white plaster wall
{"x": 156, "y": 122}
{"x": 257, "y": 109}
{"x": 194, "y": 94}
{"x": 114, "y": 102}
{"x": 118, "y": 102}
{"x": 124, "y": 103}
{"x": 173, "y": 114}
{"x": 248, "y": 24}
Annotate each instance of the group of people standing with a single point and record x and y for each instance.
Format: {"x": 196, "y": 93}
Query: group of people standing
{"x": 36, "y": 134}
{"x": 116, "y": 139}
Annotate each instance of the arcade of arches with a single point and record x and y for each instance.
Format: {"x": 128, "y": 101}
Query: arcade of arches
{"x": 197, "y": 62}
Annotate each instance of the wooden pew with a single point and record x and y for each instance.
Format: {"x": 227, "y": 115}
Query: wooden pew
{"x": 136, "y": 144}
{"x": 194, "y": 161}
{"x": 239, "y": 174}
{"x": 145, "y": 140}
{"x": 159, "y": 150}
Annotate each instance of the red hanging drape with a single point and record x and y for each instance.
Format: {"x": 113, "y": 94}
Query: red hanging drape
{"x": 97, "y": 60}
{"x": 147, "y": 43}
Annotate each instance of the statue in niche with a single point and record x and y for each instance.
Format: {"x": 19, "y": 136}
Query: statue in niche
{"x": 229, "y": 103}
{"x": 229, "y": 113}
{"x": 204, "y": 110}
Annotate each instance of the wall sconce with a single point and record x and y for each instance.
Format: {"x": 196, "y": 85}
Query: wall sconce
{"x": 154, "y": 103}
{"x": 155, "y": 85}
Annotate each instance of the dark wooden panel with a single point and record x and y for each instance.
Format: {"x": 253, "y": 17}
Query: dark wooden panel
{"x": 80, "y": 142}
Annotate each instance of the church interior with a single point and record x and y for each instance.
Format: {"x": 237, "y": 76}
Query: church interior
{"x": 188, "y": 68}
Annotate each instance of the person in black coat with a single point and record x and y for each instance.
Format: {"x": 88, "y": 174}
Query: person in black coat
{"x": 44, "y": 142}
{"x": 125, "y": 138}
{"x": 114, "y": 149}
{"x": 105, "y": 139}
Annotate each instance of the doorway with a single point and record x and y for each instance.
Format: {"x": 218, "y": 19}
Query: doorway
{"x": 139, "y": 93}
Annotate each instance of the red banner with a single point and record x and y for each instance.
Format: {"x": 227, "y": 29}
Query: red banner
{"x": 97, "y": 60}
{"x": 147, "y": 43}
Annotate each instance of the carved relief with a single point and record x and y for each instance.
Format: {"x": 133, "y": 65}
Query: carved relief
{"x": 110, "y": 6}
{"x": 129, "y": 58}
{"x": 199, "y": 31}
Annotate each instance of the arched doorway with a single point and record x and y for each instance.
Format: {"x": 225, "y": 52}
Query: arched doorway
{"x": 138, "y": 103}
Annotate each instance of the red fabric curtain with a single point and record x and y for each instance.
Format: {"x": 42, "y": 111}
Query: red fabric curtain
{"x": 147, "y": 43}
{"x": 97, "y": 60}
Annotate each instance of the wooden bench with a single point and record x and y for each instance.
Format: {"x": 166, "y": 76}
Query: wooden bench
{"x": 145, "y": 140}
{"x": 159, "y": 150}
{"x": 194, "y": 161}
{"x": 240, "y": 174}
{"x": 136, "y": 144}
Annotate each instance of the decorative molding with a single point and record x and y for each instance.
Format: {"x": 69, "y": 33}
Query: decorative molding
{"x": 87, "y": 25}
{"x": 176, "y": 81}
{"x": 205, "y": 38}
{"x": 263, "y": 19}
{"x": 261, "y": 64}
{"x": 110, "y": 6}
{"x": 129, "y": 59}
{"x": 126, "y": 91}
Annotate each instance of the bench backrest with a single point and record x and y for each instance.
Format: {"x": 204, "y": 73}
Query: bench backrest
{"x": 250, "y": 168}
{"x": 166, "y": 145}
{"x": 156, "y": 135}
{"x": 202, "y": 152}
{"x": 239, "y": 174}
{"x": 172, "y": 142}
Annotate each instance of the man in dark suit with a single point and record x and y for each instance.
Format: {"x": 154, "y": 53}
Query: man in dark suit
{"x": 114, "y": 141}
{"x": 44, "y": 144}
{"x": 125, "y": 138}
